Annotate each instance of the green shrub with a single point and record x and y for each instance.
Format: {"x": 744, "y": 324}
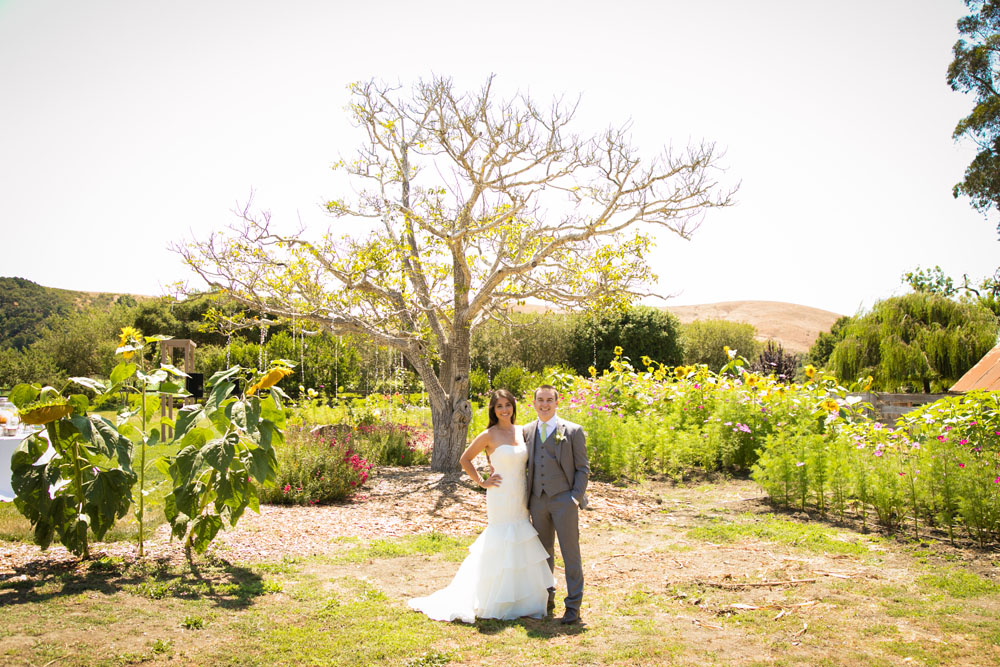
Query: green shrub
{"x": 704, "y": 340}
{"x": 313, "y": 469}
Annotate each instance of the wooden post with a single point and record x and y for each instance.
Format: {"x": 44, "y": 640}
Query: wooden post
{"x": 167, "y": 349}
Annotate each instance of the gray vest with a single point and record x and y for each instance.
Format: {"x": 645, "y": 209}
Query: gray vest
{"x": 549, "y": 476}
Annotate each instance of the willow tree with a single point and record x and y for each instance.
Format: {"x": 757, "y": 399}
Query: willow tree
{"x": 914, "y": 340}
{"x": 462, "y": 206}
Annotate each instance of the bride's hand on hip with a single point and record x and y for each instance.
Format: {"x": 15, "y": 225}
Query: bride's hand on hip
{"x": 492, "y": 481}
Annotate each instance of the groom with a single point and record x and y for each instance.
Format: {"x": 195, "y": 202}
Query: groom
{"x": 557, "y": 484}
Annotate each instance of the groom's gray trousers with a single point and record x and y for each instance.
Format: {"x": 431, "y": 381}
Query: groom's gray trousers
{"x": 559, "y": 515}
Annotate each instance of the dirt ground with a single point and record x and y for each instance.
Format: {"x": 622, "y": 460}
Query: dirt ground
{"x": 645, "y": 562}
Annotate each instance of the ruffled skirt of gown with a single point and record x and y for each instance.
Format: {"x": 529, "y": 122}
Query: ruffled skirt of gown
{"x": 505, "y": 575}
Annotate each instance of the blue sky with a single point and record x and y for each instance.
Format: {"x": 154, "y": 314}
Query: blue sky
{"x": 127, "y": 125}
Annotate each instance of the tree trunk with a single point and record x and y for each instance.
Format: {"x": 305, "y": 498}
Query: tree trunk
{"x": 451, "y": 433}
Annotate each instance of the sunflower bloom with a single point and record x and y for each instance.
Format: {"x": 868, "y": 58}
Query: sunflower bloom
{"x": 271, "y": 378}
{"x": 810, "y": 371}
{"x": 46, "y": 413}
{"x": 129, "y": 341}
{"x": 831, "y": 405}
{"x": 618, "y": 350}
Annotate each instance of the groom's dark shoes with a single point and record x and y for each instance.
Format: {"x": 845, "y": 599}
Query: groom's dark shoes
{"x": 571, "y": 617}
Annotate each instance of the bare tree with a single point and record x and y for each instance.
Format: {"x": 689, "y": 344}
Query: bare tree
{"x": 474, "y": 204}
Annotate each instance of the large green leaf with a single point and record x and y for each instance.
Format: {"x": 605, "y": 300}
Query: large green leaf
{"x": 203, "y": 531}
{"x": 187, "y": 417}
{"x": 263, "y": 465}
{"x": 219, "y": 453}
{"x": 23, "y": 394}
{"x": 80, "y": 403}
{"x": 94, "y": 385}
{"x": 122, "y": 372}
{"x": 109, "y": 497}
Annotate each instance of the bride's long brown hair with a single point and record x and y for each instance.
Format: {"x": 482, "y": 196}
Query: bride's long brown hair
{"x": 497, "y": 395}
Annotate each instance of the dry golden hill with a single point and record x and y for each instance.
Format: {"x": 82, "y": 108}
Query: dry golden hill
{"x": 795, "y": 327}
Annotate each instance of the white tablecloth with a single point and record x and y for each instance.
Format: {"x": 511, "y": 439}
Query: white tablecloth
{"x": 7, "y": 447}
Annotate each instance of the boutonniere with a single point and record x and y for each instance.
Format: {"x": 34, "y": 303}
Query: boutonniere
{"x": 560, "y": 434}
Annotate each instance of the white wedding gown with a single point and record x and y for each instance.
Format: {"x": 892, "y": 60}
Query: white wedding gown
{"x": 505, "y": 574}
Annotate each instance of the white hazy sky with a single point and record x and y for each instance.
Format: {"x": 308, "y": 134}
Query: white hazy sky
{"x": 128, "y": 124}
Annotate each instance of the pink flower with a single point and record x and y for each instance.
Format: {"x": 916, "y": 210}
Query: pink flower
{"x": 948, "y": 428}
{"x": 941, "y": 438}
{"x": 800, "y": 464}
{"x": 961, "y": 465}
{"x": 963, "y": 441}
{"x": 997, "y": 480}
{"x": 288, "y": 487}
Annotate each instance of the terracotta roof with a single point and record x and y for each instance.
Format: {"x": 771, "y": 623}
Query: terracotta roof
{"x": 984, "y": 375}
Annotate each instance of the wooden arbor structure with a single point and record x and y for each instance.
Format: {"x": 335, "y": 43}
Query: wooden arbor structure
{"x": 170, "y": 350}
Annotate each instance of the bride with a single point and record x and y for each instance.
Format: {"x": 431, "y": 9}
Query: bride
{"x": 505, "y": 575}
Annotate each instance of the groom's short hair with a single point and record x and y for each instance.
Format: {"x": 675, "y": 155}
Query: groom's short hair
{"x": 546, "y": 386}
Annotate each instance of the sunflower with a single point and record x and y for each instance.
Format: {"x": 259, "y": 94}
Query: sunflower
{"x": 810, "y": 371}
{"x": 830, "y": 405}
{"x": 130, "y": 340}
{"x": 618, "y": 350}
{"x": 271, "y": 378}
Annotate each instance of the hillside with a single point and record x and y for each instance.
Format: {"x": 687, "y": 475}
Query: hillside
{"x": 26, "y": 305}
{"x": 795, "y": 327}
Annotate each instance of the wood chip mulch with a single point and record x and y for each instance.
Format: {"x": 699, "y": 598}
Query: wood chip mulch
{"x": 395, "y": 502}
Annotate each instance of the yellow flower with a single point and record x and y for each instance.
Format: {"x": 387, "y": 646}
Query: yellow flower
{"x": 46, "y": 413}
{"x": 831, "y": 405}
{"x": 646, "y": 361}
{"x": 592, "y": 371}
{"x": 868, "y": 383}
{"x": 751, "y": 380}
{"x": 618, "y": 350}
{"x": 271, "y": 378}
{"x": 810, "y": 371}
{"x": 680, "y": 372}
{"x": 129, "y": 341}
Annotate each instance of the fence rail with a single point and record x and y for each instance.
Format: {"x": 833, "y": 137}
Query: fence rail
{"x": 889, "y": 407}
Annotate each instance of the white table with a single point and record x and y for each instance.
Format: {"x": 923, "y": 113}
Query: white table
{"x": 7, "y": 447}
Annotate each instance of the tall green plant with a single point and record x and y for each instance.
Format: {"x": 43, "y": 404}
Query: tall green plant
{"x": 76, "y": 482}
{"x": 227, "y": 455}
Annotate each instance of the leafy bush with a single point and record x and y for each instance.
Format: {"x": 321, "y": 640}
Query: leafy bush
{"x": 314, "y": 469}
{"x": 513, "y": 379}
{"x": 704, "y": 340}
{"x": 479, "y": 383}
{"x": 638, "y": 330}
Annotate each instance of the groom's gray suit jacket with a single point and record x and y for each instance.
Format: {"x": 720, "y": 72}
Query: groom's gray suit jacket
{"x": 570, "y": 454}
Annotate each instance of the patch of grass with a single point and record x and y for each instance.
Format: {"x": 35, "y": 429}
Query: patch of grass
{"x": 193, "y": 623}
{"x": 429, "y": 659}
{"x": 879, "y": 630}
{"x": 287, "y": 565}
{"x": 357, "y": 624}
{"x": 960, "y": 583}
{"x": 818, "y": 538}
{"x": 410, "y": 545}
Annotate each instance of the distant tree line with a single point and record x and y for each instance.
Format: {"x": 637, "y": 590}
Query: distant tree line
{"x": 58, "y": 335}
